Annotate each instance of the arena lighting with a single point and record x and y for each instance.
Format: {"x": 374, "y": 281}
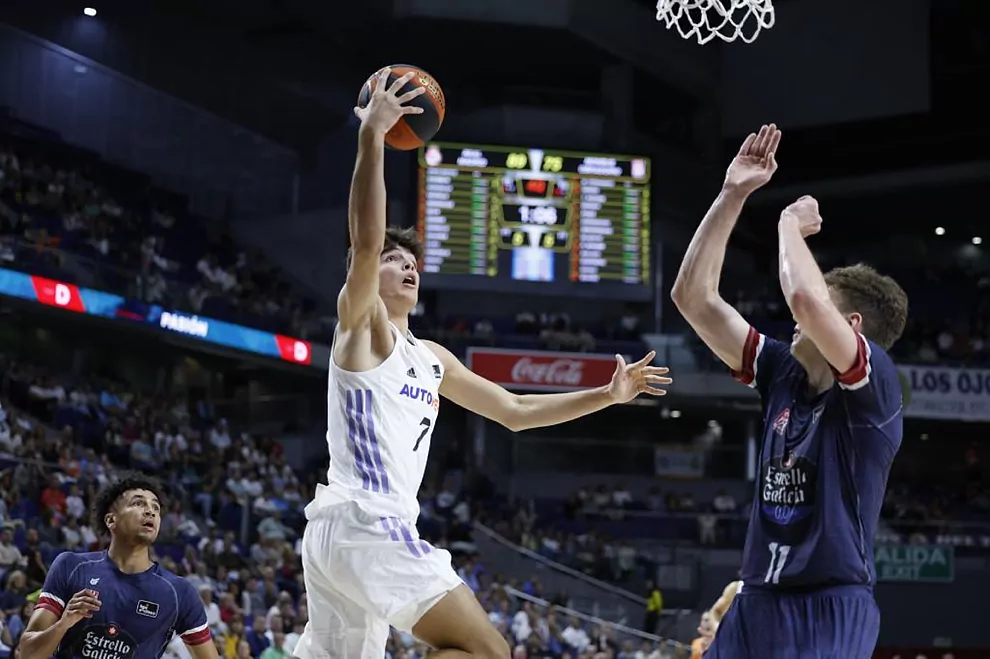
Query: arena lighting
{"x": 939, "y": 231}
{"x": 977, "y": 240}
{"x": 675, "y": 414}
{"x": 89, "y": 11}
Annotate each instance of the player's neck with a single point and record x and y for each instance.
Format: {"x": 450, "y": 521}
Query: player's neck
{"x": 129, "y": 559}
{"x": 401, "y": 322}
{"x": 820, "y": 376}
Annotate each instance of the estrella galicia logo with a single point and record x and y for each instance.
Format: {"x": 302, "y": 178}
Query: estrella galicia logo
{"x": 787, "y": 493}
{"x": 105, "y": 641}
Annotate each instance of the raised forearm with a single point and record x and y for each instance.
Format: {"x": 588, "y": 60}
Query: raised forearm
{"x": 801, "y": 279}
{"x": 366, "y": 212}
{"x": 701, "y": 268}
{"x": 539, "y": 410}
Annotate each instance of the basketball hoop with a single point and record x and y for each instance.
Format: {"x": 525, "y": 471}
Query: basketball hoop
{"x": 726, "y": 19}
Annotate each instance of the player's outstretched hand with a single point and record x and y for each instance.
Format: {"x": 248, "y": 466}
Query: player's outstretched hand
{"x": 386, "y": 106}
{"x": 82, "y": 605}
{"x": 631, "y": 380}
{"x": 756, "y": 161}
{"x": 805, "y": 213}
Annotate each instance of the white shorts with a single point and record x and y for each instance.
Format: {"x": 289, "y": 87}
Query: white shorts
{"x": 363, "y": 574}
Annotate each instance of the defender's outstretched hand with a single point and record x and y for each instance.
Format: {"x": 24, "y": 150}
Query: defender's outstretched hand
{"x": 805, "y": 213}
{"x": 631, "y": 380}
{"x": 756, "y": 161}
{"x": 386, "y": 106}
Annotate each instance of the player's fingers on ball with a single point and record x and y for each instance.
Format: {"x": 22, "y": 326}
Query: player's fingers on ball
{"x": 408, "y": 96}
{"x": 401, "y": 81}
{"x": 412, "y": 109}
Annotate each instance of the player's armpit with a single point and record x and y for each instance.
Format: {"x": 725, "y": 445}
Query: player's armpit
{"x": 719, "y": 325}
{"x": 475, "y": 393}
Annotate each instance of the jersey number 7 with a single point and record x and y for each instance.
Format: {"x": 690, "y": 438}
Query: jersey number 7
{"x": 425, "y": 423}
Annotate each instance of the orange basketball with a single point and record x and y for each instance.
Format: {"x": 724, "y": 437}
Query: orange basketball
{"x": 412, "y": 130}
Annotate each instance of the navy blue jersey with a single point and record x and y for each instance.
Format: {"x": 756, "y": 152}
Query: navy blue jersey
{"x": 824, "y": 461}
{"x": 139, "y": 613}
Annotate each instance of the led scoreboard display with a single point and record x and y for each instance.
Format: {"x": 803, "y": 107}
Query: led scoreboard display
{"x": 512, "y": 219}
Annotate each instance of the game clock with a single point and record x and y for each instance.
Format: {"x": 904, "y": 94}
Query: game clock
{"x": 534, "y": 220}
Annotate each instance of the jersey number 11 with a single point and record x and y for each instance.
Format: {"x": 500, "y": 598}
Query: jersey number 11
{"x": 778, "y": 558}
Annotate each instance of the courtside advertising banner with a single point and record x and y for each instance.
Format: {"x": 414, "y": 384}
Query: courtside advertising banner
{"x": 938, "y": 392}
{"x": 528, "y": 370}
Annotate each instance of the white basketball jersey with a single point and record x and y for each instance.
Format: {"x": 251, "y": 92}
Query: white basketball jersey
{"x": 379, "y": 424}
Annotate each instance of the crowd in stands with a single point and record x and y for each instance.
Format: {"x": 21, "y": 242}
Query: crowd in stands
{"x": 61, "y": 441}
{"x": 948, "y": 320}
{"x": 58, "y": 202}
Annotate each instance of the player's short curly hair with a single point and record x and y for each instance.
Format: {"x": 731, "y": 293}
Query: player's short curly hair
{"x": 397, "y": 237}
{"x": 879, "y": 299}
{"x": 108, "y": 497}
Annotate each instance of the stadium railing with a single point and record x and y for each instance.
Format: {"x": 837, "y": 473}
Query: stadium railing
{"x": 620, "y": 633}
{"x": 592, "y": 596}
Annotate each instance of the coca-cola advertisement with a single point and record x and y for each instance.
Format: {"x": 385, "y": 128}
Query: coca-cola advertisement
{"x": 530, "y": 370}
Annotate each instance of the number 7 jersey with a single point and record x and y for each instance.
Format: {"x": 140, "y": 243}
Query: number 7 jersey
{"x": 379, "y": 425}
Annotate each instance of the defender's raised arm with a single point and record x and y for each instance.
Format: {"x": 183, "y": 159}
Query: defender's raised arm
{"x": 695, "y": 290}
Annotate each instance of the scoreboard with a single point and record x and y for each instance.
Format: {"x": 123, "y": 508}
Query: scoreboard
{"x": 534, "y": 220}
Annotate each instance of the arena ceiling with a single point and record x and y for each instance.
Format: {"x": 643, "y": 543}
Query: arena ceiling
{"x": 290, "y": 69}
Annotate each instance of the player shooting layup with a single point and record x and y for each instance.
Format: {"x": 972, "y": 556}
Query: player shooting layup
{"x": 365, "y": 565}
{"x": 832, "y": 425}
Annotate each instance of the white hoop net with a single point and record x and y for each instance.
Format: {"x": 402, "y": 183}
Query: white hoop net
{"x": 726, "y": 19}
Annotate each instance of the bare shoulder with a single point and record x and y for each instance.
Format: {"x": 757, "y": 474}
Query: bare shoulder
{"x": 363, "y": 346}
{"x": 445, "y": 356}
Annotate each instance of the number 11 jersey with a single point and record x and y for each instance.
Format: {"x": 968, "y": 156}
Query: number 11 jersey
{"x": 824, "y": 460}
{"x": 379, "y": 424}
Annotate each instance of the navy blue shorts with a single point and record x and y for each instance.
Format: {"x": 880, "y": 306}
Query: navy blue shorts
{"x": 832, "y": 623}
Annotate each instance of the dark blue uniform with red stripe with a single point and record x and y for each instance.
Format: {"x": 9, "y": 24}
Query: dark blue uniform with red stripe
{"x": 807, "y": 569}
{"x": 139, "y": 613}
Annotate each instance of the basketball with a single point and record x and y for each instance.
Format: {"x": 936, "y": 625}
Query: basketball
{"x": 412, "y": 130}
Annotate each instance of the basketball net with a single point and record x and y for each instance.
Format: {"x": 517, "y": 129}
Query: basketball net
{"x": 726, "y": 19}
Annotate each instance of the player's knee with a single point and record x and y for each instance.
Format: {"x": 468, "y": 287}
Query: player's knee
{"x": 492, "y": 646}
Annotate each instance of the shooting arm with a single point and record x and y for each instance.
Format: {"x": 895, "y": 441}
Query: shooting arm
{"x": 44, "y": 632}
{"x": 515, "y": 412}
{"x": 366, "y": 226}
{"x": 695, "y": 290}
{"x": 808, "y": 297}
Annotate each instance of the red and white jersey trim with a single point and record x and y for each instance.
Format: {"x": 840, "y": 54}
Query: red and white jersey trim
{"x": 751, "y": 358}
{"x": 50, "y": 602}
{"x": 196, "y": 635}
{"x": 858, "y": 375}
